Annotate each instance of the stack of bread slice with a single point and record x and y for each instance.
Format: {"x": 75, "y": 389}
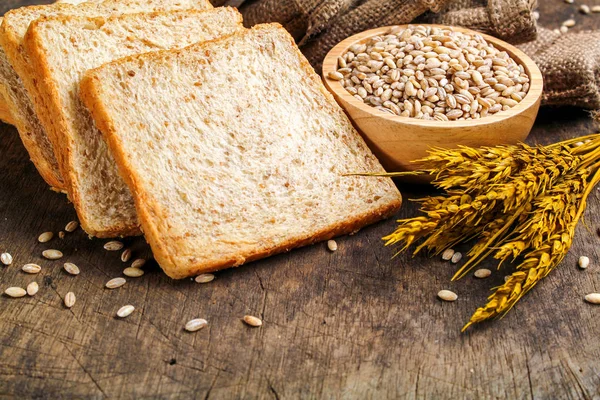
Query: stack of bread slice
{"x": 219, "y": 143}
{"x": 4, "y": 108}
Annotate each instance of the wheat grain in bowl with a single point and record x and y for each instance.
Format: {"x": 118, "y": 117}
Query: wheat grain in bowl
{"x": 432, "y": 73}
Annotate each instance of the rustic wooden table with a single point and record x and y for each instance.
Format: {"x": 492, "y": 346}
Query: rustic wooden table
{"x": 349, "y": 324}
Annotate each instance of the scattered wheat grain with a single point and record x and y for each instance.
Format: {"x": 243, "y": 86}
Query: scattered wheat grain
{"x": 115, "y": 283}
{"x": 125, "y": 311}
{"x": 70, "y": 300}
{"x": 113, "y": 245}
{"x": 569, "y": 23}
{"x": 593, "y": 298}
{"x": 133, "y": 272}
{"x": 447, "y": 254}
{"x": 332, "y": 245}
{"x": 6, "y": 258}
{"x": 205, "y": 278}
{"x": 447, "y": 295}
{"x": 31, "y": 268}
{"x": 482, "y": 273}
{"x": 71, "y": 226}
{"x": 195, "y": 324}
{"x": 45, "y": 237}
{"x": 252, "y": 321}
{"x": 139, "y": 263}
{"x": 71, "y": 268}
{"x": 52, "y": 254}
{"x": 15, "y": 292}
{"x": 456, "y": 258}
{"x": 585, "y": 9}
{"x": 32, "y": 288}
{"x": 126, "y": 255}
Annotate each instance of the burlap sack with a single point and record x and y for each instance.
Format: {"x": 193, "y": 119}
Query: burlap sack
{"x": 570, "y": 63}
{"x": 510, "y": 20}
{"x": 571, "y": 67}
{"x": 318, "y": 41}
{"x": 318, "y": 25}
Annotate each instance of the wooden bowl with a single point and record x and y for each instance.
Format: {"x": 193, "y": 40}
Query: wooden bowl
{"x": 397, "y": 140}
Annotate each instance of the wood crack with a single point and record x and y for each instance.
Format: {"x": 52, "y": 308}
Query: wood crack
{"x": 84, "y": 369}
{"x": 272, "y": 389}
{"x": 529, "y": 377}
{"x": 212, "y": 385}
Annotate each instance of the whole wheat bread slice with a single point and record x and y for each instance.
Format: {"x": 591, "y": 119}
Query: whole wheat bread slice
{"x": 121, "y": 209}
{"x": 16, "y": 76}
{"x": 62, "y": 49}
{"x": 21, "y": 114}
{"x": 18, "y": 110}
{"x": 234, "y": 151}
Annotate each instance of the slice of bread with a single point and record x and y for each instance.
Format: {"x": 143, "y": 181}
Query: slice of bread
{"x": 61, "y": 50}
{"x": 234, "y": 151}
{"x": 17, "y": 110}
{"x": 22, "y": 110}
{"x": 21, "y": 114}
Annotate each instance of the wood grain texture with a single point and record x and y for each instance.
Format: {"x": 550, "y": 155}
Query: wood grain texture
{"x": 397, "y": 141}
{"x": 349, "y": 324}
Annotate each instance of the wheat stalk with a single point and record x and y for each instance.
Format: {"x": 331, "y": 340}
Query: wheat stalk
{"x": 548, "y": 245}
{"x": 515, "y": 201}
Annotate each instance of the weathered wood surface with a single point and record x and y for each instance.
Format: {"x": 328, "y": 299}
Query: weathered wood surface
{"x": 349, "y": 324}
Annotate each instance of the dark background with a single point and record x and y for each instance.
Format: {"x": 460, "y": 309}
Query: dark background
{"x": 349, "y": 324}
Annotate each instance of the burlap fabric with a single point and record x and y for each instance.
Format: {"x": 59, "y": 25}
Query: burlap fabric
{"x": 570, "y": 63}
{"x": 510, "y": 20}
{"x": 318, "y": 25}
{"x": 571, "y": 67}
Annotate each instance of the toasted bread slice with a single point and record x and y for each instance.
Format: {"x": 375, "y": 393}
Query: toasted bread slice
{"x": 62, "y": 49}
{"x": 23, "y": 112}
{"x": 234, "y": 151}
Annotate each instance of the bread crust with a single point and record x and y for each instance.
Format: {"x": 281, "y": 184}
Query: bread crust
{"x": 151, "y": 216}
{"x": 5, "y": 114}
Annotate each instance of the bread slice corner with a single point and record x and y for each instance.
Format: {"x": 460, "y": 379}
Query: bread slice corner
{"x": 240, "y": 155}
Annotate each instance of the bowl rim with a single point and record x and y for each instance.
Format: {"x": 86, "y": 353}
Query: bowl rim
{"x": 532, "y": 97}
